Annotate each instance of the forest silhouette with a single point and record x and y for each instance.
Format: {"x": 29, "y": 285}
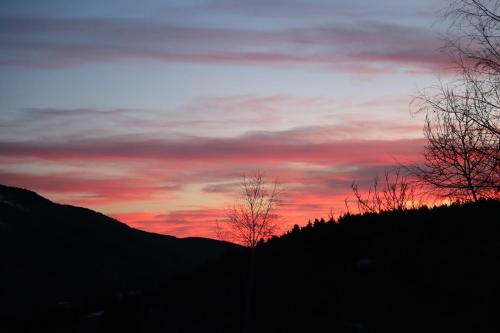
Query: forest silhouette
{"x": 428, "y": 269}
{"x": 403, "y": 270}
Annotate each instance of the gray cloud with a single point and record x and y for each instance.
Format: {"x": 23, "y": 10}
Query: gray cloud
{"x": 363, "y": 47}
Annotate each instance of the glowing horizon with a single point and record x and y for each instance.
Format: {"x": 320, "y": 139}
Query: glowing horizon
{"x": 152, "y": 112}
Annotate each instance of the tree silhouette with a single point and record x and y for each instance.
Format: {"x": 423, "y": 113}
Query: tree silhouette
{"x": 251, "y": 219}
{"x": 396, "y": 193}
{"x": 462, "y": 155}
{"x": 253, "y": 215}
{"x": 473, "y": 38}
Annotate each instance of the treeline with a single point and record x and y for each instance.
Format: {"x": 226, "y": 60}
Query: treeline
{"x": 414, "y": 270}
{"x": 426, "y": 269}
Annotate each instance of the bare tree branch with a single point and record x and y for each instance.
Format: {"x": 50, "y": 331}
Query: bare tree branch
{"x": 462, "y": 155}
{"x": 398, "y": 192}
{"x": 253, "y": 216}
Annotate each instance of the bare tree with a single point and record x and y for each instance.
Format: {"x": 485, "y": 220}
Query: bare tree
{"x": 251, "y": 218}
{"x": 396, "y": 193}
{"x": 473, "y": 38}
{"x": 462, "y": 155}
{"x": 467, "y": 97}
{"x": 473, "y": 42}
{"x": 253, "y": 215}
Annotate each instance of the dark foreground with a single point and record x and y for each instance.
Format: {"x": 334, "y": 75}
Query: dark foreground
{"x": 426, "y": 270}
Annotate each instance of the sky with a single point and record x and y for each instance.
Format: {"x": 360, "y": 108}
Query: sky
{"x": 151, "y": 111}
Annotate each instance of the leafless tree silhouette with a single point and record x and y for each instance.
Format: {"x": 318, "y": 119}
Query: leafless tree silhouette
{"x": 396, "y": 193}
{"x": 473, "y": 42}
{"x": 253, "y": 216}
{"x": 462, "y": 155}
{"x": 473, "y": 38}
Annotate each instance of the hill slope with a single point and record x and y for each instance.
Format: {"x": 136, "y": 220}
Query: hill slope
{"x": 426, "y": 270}
{"x": 52, "y": 253}
{"x": 420, "y": 270}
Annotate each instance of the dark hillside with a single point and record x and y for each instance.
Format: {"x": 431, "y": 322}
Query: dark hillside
{"x": 73, "y": 270}
{"x": 404, "y": 271}
{"x": 65, "y": 256}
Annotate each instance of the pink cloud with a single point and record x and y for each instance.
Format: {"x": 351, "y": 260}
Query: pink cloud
{"x": 364, "y": 47}
{"x": 264, "y": 147}
{"x": 181, "y": 223}
{"x": 316, "y": 164}
{"x": 201, "y": 222}
{"x": 89, "y": 189}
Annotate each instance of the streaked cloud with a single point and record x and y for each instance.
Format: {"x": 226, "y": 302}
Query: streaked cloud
{"x": 361, "y": 47}
{"x": 317, "y": 173}
{"x": 152, "y": 111}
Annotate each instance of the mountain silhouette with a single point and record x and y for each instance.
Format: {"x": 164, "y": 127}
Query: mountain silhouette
{"x": 69, "y": 269}
{"x": 419, "y": 270}
{"x": 61, "y": 255}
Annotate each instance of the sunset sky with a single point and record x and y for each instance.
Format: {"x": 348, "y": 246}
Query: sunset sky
{"x": 151, "y": 111}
